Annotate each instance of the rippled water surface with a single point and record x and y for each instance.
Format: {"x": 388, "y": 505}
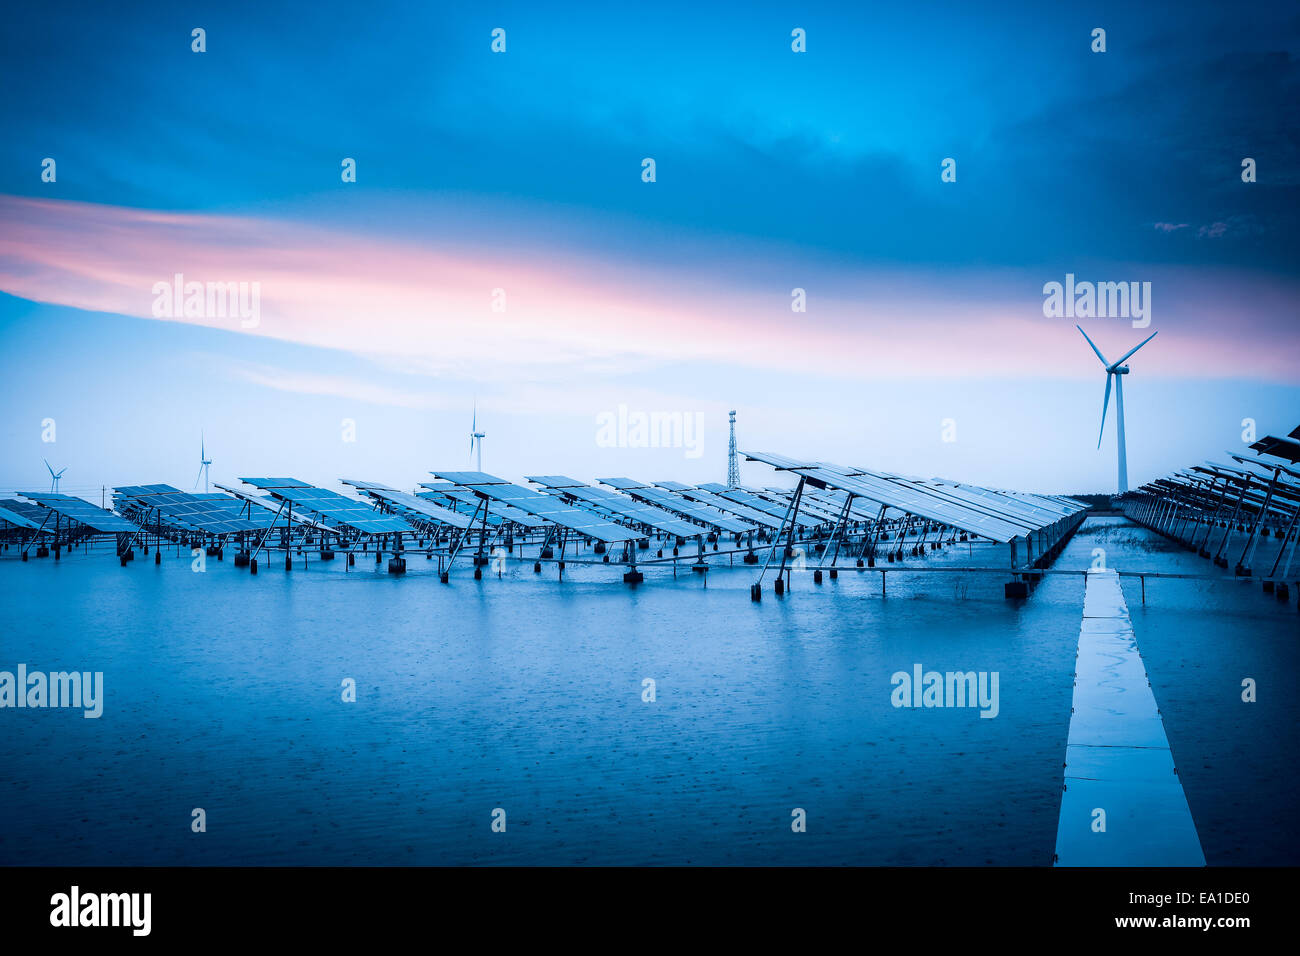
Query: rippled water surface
{"x": 524, "y": 693}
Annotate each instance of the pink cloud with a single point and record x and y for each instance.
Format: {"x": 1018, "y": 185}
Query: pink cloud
{"x": 425, "y": 305}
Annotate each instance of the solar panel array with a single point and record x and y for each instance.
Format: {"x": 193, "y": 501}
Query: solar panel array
{"x": 827, "y": 503}
{"x": 997, "y": 517}
{"x": 620, "y": 505}
{"x": 207, "y": 513}
{"x": 9, "y": 513}
{"x": 82, "y": 511}
{"x": 548, "y": 507}
{"x": 725, "y": 505}
{"x": 334, "y": 508}
{"x": 411, "y": 505}
{"x": 920, "y": 501}
{"x": 497, "y": 511}
{"x": 1037, "y": 509}
{"x": 702, "y": 514}
{"x": 1023, "y": 513}
{"x": 754, "y": 502}
{"x": 823, "y": 505}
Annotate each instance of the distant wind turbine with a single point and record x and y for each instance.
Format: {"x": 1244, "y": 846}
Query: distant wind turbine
{"x": 476, "y": 437}
{"x": 1117, "y": 369}
{"x": 54, "y": 475}
{"x": 204, "y": 462}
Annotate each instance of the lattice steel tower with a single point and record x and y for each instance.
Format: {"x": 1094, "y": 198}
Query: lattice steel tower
{"x": 733, "y": 460}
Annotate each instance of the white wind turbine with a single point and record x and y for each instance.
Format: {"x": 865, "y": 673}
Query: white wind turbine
{"x": 54, "y": 475}
{"x": 476, "y": 437}
{"x": 1117, "y": 369}
{"x": 204, "y": 462}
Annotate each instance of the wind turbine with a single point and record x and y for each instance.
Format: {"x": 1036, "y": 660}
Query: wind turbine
{"x": 204, "y": 462}
{"x": 476, "y": 437}
{"x": 54, "y": 475}
{"x": 1117, "y": 369}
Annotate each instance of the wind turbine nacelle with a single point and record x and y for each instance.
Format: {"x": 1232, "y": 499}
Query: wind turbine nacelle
{"x": 1120, "y": 370}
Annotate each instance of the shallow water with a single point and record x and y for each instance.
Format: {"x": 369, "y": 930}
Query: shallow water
{"x": 223, "y": 692}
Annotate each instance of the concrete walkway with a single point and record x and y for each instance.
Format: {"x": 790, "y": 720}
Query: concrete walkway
{"x": 1117, "y": 758}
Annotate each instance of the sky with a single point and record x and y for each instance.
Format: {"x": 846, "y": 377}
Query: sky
{"x": 501, "y": 254}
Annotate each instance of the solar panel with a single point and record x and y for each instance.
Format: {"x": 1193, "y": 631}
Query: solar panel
{"x": 918, "y": 502}
{"x": 702, "y": 514}
{"x": 903, "y": 495}
{"x": 14, "y": 518}
{"x": 207, "y": 513}
{"x": 821, "y": 505}
{"x": 761, "y": 505}
{"x": 411, "y": 504}
{"x": 497, "y": 511}
{"x": 335, "y": 508}
{"x": 620, "y": 505}
{"x": 557, "y": 481}
{"x": 829, "y": 503}
{"x": 469, "y": 478}
{"x": 267, "y": 484}
{"x": 82, "y": 511}
{"x": 725, "y": 505}
{"x": 984, "y": 503}
{"x": 544, "y": 506}
{"x": 1020, "y": 509}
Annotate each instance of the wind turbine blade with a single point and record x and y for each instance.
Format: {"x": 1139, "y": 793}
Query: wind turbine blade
{"x": 1136, "y": 347}
{"x": 1094, "y": 346}
{"x": 1104, "y": 405}
{"x": 61, "y": 471}
{"x": 47, "y": 467}
{"x": 196, "y": 480}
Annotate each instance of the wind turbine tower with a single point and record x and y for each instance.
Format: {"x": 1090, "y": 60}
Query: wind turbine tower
{"x": 1117, "y": 370}
{"x": 204, "y": 462}
{"x": 476, "y": 438}
{"x": 733, "y": 459}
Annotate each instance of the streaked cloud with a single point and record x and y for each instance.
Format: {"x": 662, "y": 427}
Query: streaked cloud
{"x": 425, "y": 305}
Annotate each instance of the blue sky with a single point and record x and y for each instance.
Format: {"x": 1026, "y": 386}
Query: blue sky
{"x": 775, "y": 170}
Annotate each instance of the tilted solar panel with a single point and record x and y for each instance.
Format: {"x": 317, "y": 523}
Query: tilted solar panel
{"x": 333, "y": 507}
{"x": 209, "y": 512}
{"x": 266, "y": 484}
{"x": 557, "y": 481}
{"x": 918, "y": 503}
{"x": 547, "y": 507}
{"x": 702, "y": 514}
{"x": 497, "y": 511}
{"x": 82, "y": 511}
{"x": 621, "y": 506}
{"x": 411, "y": 504}
{"x": 902, "y": 495}
{"x": 725, "y": 505}
{"x": 17, "y": 520}
{"x": 469, "y": 478}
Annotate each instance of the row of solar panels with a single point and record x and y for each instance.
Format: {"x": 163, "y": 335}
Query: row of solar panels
{"x": 631, "y": 508}
{"x": 991, "y": 513}
{"x": 668, "y": 508}
{"x": 1274, "y": 493}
